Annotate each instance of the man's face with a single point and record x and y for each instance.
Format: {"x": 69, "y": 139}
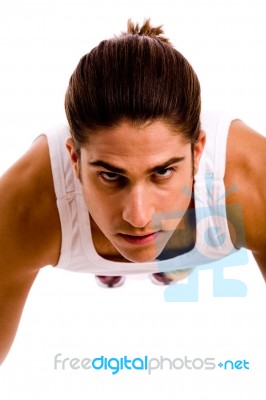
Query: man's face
{"x": 129, "y": 175}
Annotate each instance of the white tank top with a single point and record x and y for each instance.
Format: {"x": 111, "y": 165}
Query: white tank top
{"x": 212, "y": 234}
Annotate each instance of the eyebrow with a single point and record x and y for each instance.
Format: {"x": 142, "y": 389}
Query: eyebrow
{"x": 118, "y": 170}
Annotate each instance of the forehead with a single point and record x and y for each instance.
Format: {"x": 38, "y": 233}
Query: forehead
{"x": 130, "y": 142}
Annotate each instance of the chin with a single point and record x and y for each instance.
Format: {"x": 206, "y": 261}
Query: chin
{"x": 140, "y": 256}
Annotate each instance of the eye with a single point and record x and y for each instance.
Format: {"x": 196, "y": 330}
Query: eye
{"x": 164, "y": 173}
{"x": 109, "y": 176}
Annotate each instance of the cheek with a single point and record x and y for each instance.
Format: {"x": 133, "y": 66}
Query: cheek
{"x": 182, "y": 187}
{"x": 91, "y": 196}
{"x": 181, "y": 201}
{"x": 98, "y": 204}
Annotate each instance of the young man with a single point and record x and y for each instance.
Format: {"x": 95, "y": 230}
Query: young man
{"x": 140, "y": 182}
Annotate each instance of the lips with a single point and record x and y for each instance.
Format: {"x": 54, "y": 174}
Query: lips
{"x": 139, "y": 239}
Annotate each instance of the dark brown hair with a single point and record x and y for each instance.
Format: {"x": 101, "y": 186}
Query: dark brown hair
{"x": 138, "y": 77}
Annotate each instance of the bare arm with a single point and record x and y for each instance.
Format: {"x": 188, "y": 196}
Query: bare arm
{"x": 29, "y": 234}
{"x": 246, "y": 167}
{"x": 261, "y": 261}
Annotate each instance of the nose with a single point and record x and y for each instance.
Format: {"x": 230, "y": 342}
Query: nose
{"x": 138, "y": 208}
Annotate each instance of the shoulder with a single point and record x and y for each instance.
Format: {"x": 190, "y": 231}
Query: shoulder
{"x": 30, "y": 228}
{"x": 246, "y": 170}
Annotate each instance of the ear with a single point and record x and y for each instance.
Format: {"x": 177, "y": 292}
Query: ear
{"x": 198, "y": 149}
{"x": 73, "y": 156}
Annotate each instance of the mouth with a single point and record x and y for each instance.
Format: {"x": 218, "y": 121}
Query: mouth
{"x": 139, "y": 239}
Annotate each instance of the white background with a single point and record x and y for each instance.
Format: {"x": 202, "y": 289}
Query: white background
{"x": 41, "y": 42}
